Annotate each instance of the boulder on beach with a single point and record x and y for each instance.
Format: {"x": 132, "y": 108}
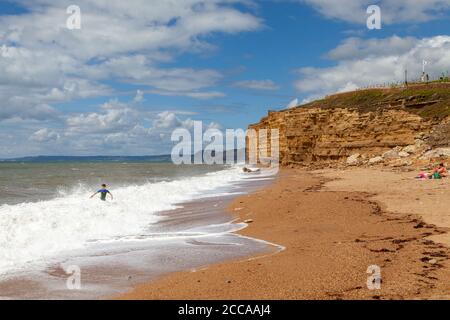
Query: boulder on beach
{"x": 353, "y": 159}
{"x": 376, "y": 160}
{"x": 437, "y": 153}
{"x": 391, "y": 154}
{"x": 410, "y": 149}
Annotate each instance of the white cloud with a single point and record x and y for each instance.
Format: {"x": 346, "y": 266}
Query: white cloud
{"x": 139, "y": 97}
{"x": 45, "y": 135}
{"x": 292, "y": 104}
{"x": 130, "y": 43}
{"x": 393, "y": 11}
{"x": 139, "y": 69}
{"x": 256, "y": 84}
{"x": 118, "y": 128}
{"x": 353, "y": 48}
{"x": 43, "y": 63}
{"x": 16, "y": 108}
{"x": 115, "y": 117}
{"x": 387, "y": 66}
{"x": 201, "y": 95}
{"x": 168, "y": 120}
{"x": 137, "y": 43}
{"x": 111, "y": 28}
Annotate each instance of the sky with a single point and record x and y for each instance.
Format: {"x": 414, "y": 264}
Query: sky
{"x": 132, "y": 72}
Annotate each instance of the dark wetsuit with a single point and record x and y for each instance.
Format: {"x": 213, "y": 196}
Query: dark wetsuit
{"x": 103, "y": 193}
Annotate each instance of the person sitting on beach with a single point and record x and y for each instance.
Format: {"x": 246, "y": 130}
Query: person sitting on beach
{"x": 442, "y": 170}
{"x": 438, "y": 173}
{"x": 103, "y": 192}
{"x": 423, "y": 175}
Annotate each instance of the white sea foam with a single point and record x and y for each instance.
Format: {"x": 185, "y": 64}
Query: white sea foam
{"x": 33, "y": 232}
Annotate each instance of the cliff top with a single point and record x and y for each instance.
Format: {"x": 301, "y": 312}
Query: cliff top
{"x": 430, "y": 101}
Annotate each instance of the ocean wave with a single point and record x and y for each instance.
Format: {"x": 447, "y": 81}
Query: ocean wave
{"x": 35, "y": 231}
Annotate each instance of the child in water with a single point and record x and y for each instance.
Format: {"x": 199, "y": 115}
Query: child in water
{"x": 103, "y": 192}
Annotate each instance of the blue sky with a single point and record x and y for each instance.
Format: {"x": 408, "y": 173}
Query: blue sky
{"x": 137, "y": 70}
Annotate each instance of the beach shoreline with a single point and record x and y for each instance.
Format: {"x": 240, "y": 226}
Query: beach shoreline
{"x": 331, "y": 238}
{"x": 196, "y": 233}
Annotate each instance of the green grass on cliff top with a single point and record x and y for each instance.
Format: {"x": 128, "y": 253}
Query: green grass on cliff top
{"x": 375, "y": 99}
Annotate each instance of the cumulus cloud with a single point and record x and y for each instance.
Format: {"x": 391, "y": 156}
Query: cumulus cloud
{"x": 114, "y": 117}
{"x": 139, "y": 97}
{"x": 45, "y": 135}
{"x": 393, "y": 11}
{"x": 17, "y": 108}
{"x": 357, "y": 48}
{"x": 394, "y": 55}
{"x": 139, "y": 69}
{"x": 111, "y": 28}
{"x": 256, "y": 84}
{"x": 44, "y": 63}
{"x": 169, "y": 120}
{"x": 120, "y": 44}
{"x": 117, "y": 128}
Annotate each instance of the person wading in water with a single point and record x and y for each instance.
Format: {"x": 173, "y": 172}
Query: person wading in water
{"x": 103, "y": 193}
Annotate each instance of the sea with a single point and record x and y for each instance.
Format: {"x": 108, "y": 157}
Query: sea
{"x": 163, "y": 218}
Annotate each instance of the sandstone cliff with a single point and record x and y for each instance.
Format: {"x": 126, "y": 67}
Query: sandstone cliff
{"x": 366, "y": 123}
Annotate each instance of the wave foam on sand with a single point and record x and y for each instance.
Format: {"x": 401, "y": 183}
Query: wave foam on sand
{"x": 32, "y": 232}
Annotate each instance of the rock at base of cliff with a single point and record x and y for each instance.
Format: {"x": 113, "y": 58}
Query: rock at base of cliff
{"x": 410, "y": 149}
{"x": 391, "y": 154}
{"x": 400, "y": 163}
{"x": 376, "y": 160}
{"x": 353, "y": 160}
{"x": 437, "y": 153}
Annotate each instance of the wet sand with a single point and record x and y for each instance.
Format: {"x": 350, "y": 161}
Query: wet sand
{"x": 331, "y": 237}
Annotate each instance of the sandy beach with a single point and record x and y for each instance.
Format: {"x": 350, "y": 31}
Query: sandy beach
{"x": 333, "y": 225}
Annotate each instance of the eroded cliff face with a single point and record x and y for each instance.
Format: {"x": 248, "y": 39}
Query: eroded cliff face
{"x": 411, "y": 123}
{"x": 316, "y": 134}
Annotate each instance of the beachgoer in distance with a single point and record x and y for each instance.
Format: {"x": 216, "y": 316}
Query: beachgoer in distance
{"x": 423, "y": 175}
{"x": 438, "y": 173}
{"x": 441, "y": 170}
{"x": 103, "y": 192}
